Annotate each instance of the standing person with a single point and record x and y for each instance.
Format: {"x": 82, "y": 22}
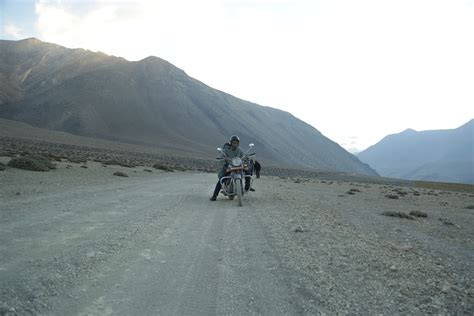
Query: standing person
{"x": 231, "y": 151}
{"x": 257, "y": 167}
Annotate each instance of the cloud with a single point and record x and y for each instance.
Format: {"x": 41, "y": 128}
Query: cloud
{"x": 12, "y": 30}
{"x": 55, "y": 24}
{"x": 132, "y": 29}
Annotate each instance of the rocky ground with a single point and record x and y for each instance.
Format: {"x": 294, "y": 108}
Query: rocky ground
{"x": 348, "y": 241}
{"x": 321, "y": 243}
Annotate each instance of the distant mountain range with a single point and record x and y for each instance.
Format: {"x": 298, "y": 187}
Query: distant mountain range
{"x": 153, "y": 103}
{"x": 436, "y": 155}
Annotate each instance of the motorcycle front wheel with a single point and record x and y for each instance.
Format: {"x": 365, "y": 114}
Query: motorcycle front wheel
{"x": 231, "y": 189}
{"x": 238, "y": 187}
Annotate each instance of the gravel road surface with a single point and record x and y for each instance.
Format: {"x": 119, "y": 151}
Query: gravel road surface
{"x": 81, "y": 241}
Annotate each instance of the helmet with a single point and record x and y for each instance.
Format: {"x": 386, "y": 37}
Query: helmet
{"x": 234, "y": 137}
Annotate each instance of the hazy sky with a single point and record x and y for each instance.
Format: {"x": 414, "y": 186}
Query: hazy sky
{"x": 355, "y": 70}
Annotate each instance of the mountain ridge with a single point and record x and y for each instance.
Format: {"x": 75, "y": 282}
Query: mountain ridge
{"x": 150, "y": 102}
{"x": 435, "y": 155}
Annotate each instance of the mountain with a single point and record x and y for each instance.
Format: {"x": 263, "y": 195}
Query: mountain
{"x": 151, "y": 102}
{"x": 436, "y": 155}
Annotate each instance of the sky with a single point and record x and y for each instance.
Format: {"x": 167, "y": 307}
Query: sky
{"x": 355, "y": 70}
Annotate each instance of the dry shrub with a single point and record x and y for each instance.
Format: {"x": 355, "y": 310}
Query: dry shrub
{"x": 446, "y": 221}
{"x": 418, "y": 214}
{"x": 470, "y": 207}
{"x": 8, "y": 153}
{"x": 2, "y": 166}
{"x": 33, "y": 163}
{"x": 397, "y": 214}
{"x": 391, "y": 196}
{"x": 77, "y": 159}
{"x": 120, "y": 174}
{"x": 53, "y": 157}
{"x": 163, "y": 167}
{"x": 181, "y": 168}
{"x": 400, "y": 192}
{"x": 126, "y": 164}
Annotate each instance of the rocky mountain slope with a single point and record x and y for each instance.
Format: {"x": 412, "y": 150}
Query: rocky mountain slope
{"x": 152, "y": 103}
{"x": 436, "y": 155}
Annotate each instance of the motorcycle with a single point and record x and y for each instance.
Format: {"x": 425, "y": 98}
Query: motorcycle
{"x": 232, "y": 184}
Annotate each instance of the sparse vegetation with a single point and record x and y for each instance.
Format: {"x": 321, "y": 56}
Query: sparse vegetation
{"x": 2, "y": 166}
{"x": 445, "y": 186}
{"x": 33, "y": 163}
{"x": 392, "y": 196}
{"x": 397, "y": 214}
{"x": 470, "y": 207}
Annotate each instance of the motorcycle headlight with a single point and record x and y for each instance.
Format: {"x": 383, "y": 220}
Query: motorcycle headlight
{"x": 236, "y": 161}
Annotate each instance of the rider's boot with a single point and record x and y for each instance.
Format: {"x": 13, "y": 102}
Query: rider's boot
{"x": 216, "y": 191}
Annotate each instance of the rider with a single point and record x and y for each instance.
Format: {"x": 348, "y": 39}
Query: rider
{"x": 230, "y": 151}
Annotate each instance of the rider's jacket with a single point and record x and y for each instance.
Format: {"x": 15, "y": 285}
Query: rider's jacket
{"x": 232, "y": 153}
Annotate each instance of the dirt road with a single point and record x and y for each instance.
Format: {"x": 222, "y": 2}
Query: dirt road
{"x": 148, "y": 245}
{"x": 84, "y": 242}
